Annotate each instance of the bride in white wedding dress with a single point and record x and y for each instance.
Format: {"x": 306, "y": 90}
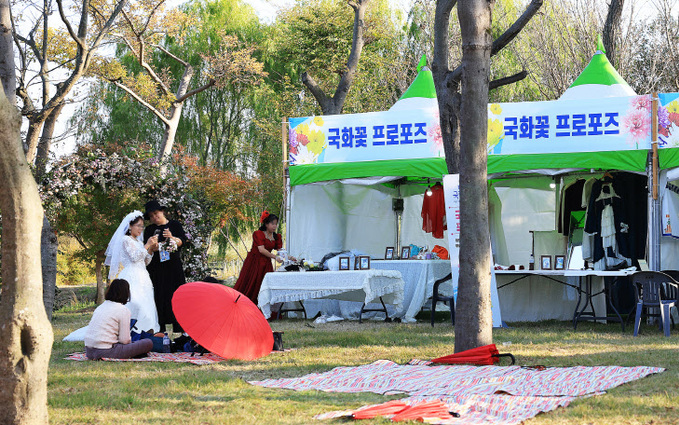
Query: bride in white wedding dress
{"x": 127, "y": 251}
{"x": 134, "y": 258}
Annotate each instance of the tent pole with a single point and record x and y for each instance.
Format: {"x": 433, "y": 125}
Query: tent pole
{"x": 655, "y": 202}
{"x": 286, "y": 180}
{"x": 654, "y": 143}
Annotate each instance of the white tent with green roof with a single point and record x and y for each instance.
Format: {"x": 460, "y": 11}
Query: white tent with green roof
{"x": 599, "y": 79}
{"x": 346, "y": 170}
{"x": 421, "y": 94}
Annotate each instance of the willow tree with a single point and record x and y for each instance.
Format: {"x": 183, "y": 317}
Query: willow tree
{"x": 463, "y": 98}
{"x": 26, "y": 334}
{"x": 146, "y": 31}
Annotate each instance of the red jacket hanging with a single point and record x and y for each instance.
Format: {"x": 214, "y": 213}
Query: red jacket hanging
{"x": 434, "y": 211}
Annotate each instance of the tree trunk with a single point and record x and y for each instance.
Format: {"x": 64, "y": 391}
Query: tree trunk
{"x": 26, "y": 334}
{"x": 101, "y": 284}
{"x": 45, "y": 143}
{"x": 474, "y": 326}
{"x": 333, "y": 105}
{"x": 612, "y": 29}
{"x": 447, "y": 89}
{"x": 48, "y": 253}
{"x": 7, "y": 72}
{"x": 32, "y": 137}
{"x": 170, "y": 132}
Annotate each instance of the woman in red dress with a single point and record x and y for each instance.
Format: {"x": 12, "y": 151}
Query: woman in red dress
{"x": 258, "y": 261}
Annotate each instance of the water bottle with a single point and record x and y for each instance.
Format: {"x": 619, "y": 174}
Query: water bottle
{"x": 166, "y": 343}
{"x": 531, "y": 262}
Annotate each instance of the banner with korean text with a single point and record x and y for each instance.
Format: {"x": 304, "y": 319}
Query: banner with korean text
{"x": 562, "y": 126}
{"x": 451, "y": 193}
{"x": 607, "y": 124}
{"x": 365, "y": 137}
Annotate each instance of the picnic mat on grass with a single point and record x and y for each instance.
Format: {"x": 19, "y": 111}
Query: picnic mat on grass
{"x": 179, "y": 357}
{"x": 205, "y": 359}
{"x": 480, "y": 394}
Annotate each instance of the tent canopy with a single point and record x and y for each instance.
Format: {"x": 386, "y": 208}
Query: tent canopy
{"x": 599, "y": 82}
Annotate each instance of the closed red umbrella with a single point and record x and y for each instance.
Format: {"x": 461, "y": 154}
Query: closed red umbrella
{"x": 484, "y": 355}
{"x": 222, "y": 320}
{"x": 432, "y": 410}
{"x": 389, "y": 408}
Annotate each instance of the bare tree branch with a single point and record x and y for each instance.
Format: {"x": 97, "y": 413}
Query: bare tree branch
{"x": 502, "y": 41}
{"x": 167, "y": 52}
{"x": 74, "y": 36}
{"x": 136, "y": 97}
{"x": 131, "y": 24}
{"x": 357, "y": 43}
{"x": 315, "y": 90}
{"x": 195, "y": 91}
{"x": 510, "y": 34}
{"x": 507, "y": 80}
{"x": 153, "y": 12}
{"x": 612, "y": 29}
{"x": 440, "y": 63}
{"x": 107, "y": 26}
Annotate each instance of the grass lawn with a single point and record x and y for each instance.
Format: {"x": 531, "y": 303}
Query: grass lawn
{"x": 162, "y": 393}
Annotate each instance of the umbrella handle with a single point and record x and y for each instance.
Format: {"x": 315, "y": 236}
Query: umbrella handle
{"x": 510, "y": 355}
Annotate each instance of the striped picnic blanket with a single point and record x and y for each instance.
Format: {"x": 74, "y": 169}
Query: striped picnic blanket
{"x": 181, "y": 357}
{"x": 481, "y": 394}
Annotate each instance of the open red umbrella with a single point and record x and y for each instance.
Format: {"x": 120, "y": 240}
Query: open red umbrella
{"x": 485, "y": 355}
{"x": 222, "y": 320}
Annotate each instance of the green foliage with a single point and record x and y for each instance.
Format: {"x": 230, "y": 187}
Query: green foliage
{"x": 72, "y": 268}
{"x": 316, "y": 36}
{"x": 87, "y": 194}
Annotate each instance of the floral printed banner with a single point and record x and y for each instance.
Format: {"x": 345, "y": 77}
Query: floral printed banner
{"x": 365, "y": 137}
{"x": 668, "y": 120}
{"x": 607, "y": 124}
{"x": 591, "y": 125}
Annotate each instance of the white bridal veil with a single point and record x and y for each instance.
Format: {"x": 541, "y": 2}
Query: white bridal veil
{"x": 114, "y": 251}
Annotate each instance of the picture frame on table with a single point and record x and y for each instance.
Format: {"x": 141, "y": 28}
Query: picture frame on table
{"x": 559, "y": 262}
{"x": 389, "y": 253}
{"x": 344, "y": 263}
{"x": 364, "y": 261}
{"x": 545, "y": 262}
{"x": 405, "y": 252}
{"x": 357, "y": 263}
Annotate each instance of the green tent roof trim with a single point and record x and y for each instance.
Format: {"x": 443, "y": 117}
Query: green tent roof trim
{"x": 422, "y": 86}
{"x": 600, "y": 46}
{"x": 628, "y": 160}
{"x": 599, "y": 71}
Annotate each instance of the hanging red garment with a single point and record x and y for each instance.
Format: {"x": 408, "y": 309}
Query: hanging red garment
{"x": 434, "y": 211}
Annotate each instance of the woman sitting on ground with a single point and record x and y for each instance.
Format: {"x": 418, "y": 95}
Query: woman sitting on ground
{"x": 108, "y": 334}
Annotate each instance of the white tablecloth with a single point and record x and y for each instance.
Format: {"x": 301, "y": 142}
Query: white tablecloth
{"x": 353, "y": 285}
{"x": 537, "y": 297}
{"x": 419, "y": 277}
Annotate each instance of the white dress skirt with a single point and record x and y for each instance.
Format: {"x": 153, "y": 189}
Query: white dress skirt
{"x": 142, "y": 305}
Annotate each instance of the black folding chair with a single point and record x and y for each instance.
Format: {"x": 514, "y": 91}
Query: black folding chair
{"x": 436, "y": 297}
{"x": 651, "y": 294}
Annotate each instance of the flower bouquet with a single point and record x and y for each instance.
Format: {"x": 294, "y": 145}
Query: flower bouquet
{"x": 311, "y": 266}
{"x": 168, "y": 245}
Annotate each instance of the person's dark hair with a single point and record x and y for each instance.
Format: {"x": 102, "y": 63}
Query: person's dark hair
{"x": 267, "y": 220}
{"x": 118, "y": 291}
{"x": 132, "y": 223}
